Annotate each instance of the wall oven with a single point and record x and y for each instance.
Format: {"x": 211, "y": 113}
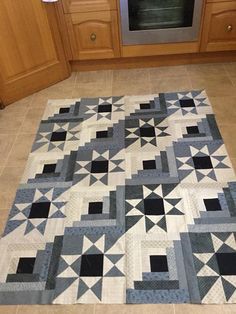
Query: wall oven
{"x": 160, "y": 21}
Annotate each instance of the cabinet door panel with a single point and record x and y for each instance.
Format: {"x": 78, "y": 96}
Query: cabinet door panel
{"x": 31, "y": 54}
{"x": 219, "y": 30}
{"x": 73, "y": 6}
{"x": 94, "y": 35}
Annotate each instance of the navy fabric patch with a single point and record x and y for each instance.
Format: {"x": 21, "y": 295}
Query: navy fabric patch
{"x": 39, "y": 210}
{"x": 158, "y": 263}
{"x": 154, "y": 206}
{"x": 95, "y": 208}
{"x": 202, "y": 162}
{"x": 212, "y": 204}
{"x": 26, "y": 265}
{"x": 58, "y": 136}
{"x": 185, "y": 103}
{"x": 99, "y": 166}
{"x": 91, "y": 265}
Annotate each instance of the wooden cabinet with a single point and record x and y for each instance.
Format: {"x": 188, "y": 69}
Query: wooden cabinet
{"x": 94, "y": 35}
{"x": 93, "y": 28}
{"x": 74, "y": 6}
{"x": 31, "y": 55}
{"x": 219, "y": 29}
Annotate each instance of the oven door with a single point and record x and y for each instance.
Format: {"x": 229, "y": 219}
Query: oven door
{"x": 160, "y": 21}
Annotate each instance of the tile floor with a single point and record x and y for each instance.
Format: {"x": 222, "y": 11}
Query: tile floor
{"x": 19, "y": 123}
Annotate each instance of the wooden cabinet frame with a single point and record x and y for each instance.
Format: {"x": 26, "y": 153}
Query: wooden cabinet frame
{"x": 218, "y": 42}
{"x": 75, "y": 6}
{"x": 105, "y": 23}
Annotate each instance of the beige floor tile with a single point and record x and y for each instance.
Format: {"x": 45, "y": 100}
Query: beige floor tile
{"x": 203, "y": 70}
{"x": 56, "y": 309}
{"x": 131, "y": 82}
{"x": 10, "y": 123}
{"x": 92, "y": 90}
{"x": 131, "y": 75}
{"x": 9, "y": 181}
{"x": 20, "y": 150}
{"x": 228, "y": 132}
{"x": 198, "y": 309}
{"x": 93, "y": 84}
{"x": 230, "y": 68}
{"x": 160, "y": 72}
{"x": 3, "y": 219}
{"x": 60, "y": 90}
{"x": 6, "y": 143}
{"x": 170, "y": 84}
{"x": 8, "y": 309}
{"x": 229, "y": 309}
{"x": 20, "y": 106}
{"x": 215, "y": 85}
{"x": 35, "y": 309}
{"x": 32, "y": 120}
{"x": 120, "y": 88}
{"x": 135, "y": 309}
{"x": 94, "y": 77}
{"x": 74, "y": 309}
{"x": 233, "y": 160}
{"x": 224, "y": 109}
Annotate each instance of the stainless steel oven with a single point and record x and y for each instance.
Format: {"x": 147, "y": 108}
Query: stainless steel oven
{"x": 160, "y": 21}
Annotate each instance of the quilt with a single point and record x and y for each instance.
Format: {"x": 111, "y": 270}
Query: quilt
{"x": 127, "y": 199}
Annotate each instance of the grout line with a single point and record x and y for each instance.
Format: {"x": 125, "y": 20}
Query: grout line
{"x": 27, "y": 111}
{"x": 112, "y": 81}
{"x": 74, "y": 84}
{"x": 149, "y": 81}
{"x": 228, "y": 75}
{"x": 190, "y": 81}
{"x": 18, "y": 132}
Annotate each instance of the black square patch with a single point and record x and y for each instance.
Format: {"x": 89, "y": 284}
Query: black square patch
{"x": 26, "y": 265}
{"x": 99, "y": 166}
{"x": 202, "y": 162}
{"x": 154, "y": 206}
{"x": 158, "y": 263}
{"x": 64, "y": 110}
{"x": 145, "y": 106}
{"x": 184, "y": 103}
{"x": 149, "y": 164}
{"x": 226, "y": 263}
{"x": 50, "y": 168}
{"x": 192, "y": 130}
{"x": 39, "y": 210}
{"x": 92, "y": 265}
{"x": 147, "y": 132}
{"x": 95, "y": 208}
{"x": 58, "y": 136}
{"x": 212, "y": 204}
{"x": 105, "y": 108}
{"x": 101, "y": 134}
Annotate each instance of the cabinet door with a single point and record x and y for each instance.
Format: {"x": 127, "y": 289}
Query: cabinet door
{"x": 219, "y": 29}
{"x": 31, "y": 54}
{"x": 72, "y": 6}
{"x": 94, "y": 35}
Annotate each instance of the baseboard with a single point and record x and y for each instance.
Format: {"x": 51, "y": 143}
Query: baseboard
{"x": 154, "y": 61}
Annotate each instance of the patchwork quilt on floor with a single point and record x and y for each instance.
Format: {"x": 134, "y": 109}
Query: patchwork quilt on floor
{"x": 123, "y": 200}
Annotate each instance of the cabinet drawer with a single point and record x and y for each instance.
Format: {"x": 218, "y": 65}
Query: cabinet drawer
{"x": 219, "y": 30}
{"x": 73, "y": 6}
{"x": 94, "y": 35}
